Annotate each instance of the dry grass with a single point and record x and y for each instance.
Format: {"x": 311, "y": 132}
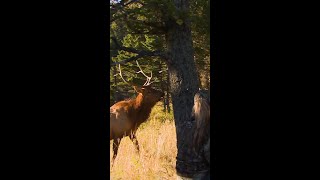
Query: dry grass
{"x": 157, "y": 158}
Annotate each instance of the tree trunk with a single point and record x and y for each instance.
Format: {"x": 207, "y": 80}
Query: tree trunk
{"x": 167, "y": 95}
{"x": 184, "y": 83}
{"x": 161, "y": 85}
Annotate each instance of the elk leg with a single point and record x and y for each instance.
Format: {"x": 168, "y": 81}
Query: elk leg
{"x": 116, "y": 143}
{"x": 135, "y": 141}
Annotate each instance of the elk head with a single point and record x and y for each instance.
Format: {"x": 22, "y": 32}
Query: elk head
{"x": 152, "y": 95}
{"x": 147, "y": 92}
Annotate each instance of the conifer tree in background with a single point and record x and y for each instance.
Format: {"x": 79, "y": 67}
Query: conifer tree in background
{"x": 171, "y": 39}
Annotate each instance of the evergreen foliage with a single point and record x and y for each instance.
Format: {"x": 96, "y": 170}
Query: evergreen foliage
{"x": 140, "y": 25}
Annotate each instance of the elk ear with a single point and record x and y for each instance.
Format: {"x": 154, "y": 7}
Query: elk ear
{"x": 142, "y": 89}
{"x": 136, "y": 88}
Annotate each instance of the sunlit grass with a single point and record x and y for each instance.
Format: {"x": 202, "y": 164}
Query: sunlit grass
{"x": 157, "y": 158}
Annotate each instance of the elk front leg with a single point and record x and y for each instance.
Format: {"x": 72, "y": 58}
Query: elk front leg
{"x": 116, "y": 144}
{"x": 135, "y": 141}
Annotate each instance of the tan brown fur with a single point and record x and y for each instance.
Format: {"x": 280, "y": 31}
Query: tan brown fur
{"x": 126, "y": 116}
{"x": 201, "y": 113}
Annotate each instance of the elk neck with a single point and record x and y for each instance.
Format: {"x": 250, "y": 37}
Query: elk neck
{"x": 142, "y": 108}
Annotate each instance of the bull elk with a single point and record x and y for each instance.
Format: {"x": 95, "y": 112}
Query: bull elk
{"x": 126, "y": 116}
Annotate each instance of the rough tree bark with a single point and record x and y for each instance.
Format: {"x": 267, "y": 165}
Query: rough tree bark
{"x": 184, "y": 83}
{"x": 161, "y": 85}
{"x": 167, "y": 94}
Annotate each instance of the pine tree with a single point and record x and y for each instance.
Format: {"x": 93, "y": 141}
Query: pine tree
{"x": 177, "y": 32}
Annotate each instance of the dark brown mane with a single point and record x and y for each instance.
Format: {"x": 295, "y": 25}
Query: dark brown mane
{"x": 201, "y": 114}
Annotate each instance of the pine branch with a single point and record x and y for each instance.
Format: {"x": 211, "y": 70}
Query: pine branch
{"x": 120, "y": 7}
{"x": 140, "y": 53}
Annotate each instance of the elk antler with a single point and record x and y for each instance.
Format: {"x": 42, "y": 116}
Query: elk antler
{"x": 120, "y": 73}
{"x": 147, "y": 83}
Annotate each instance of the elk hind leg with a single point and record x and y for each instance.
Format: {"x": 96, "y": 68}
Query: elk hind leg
{"x": 135, "y": 141}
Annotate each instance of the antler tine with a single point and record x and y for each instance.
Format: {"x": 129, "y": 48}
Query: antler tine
{"x": 148, "y": 78}
{"x": 120, "y": 73}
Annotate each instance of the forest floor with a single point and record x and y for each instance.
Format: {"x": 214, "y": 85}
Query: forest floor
{"x": 157, "y": 158}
